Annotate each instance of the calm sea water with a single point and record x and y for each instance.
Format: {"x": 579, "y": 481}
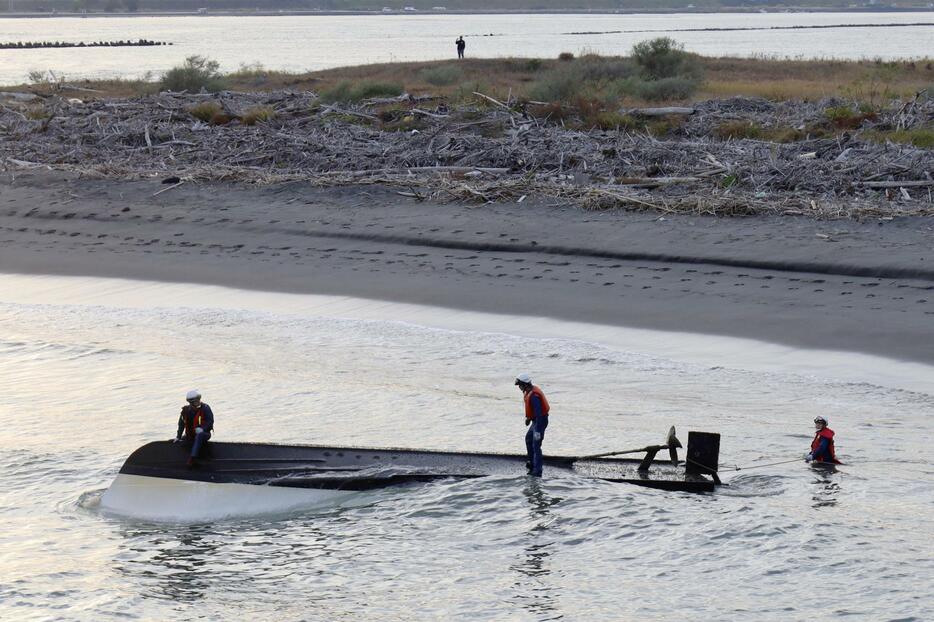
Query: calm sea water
{"x": 91, "y": 369}
{"x": 300, "y": 43}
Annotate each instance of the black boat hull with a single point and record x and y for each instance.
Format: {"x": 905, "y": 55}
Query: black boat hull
{"x": 356, "y": 469}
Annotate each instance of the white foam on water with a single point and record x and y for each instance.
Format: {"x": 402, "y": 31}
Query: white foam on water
{"x": 163, "y": 499}
{"x": 684, "y": 347}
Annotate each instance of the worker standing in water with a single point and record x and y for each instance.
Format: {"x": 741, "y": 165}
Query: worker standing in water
{"x": 196, "y": 422}
{"x": 536, "y": 419}
{"x": 822, "y": 449}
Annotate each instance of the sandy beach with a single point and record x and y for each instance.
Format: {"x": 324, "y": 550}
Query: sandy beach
{"x": 840, "y": 285}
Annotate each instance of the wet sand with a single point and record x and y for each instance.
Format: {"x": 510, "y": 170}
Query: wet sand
{"x": 838, "y": 285}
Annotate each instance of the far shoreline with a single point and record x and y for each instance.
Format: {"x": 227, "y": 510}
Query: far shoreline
{"x": 397, "y": 13}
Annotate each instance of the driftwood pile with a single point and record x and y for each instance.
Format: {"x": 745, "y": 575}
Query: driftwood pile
{"x": 494, "y": 151}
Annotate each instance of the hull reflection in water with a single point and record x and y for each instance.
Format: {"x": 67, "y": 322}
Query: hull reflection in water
{"x": 167, "y": 499}
{"x": 249, "y": 478}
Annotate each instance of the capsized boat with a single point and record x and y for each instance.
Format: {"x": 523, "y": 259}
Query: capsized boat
{"x": 156, "y": 474}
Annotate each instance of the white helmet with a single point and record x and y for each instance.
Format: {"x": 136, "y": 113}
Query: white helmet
{"x": 523, "y": 379}
{"x": 194, "y": 394}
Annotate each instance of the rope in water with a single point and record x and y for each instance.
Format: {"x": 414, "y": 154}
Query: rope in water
{"x": 759, "y": 466}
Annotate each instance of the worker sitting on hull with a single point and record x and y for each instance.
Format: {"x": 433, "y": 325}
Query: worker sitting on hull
{"x": 196, "y": 422}
{"x": 822, "y": 449}
{"x": 536, "y": 418}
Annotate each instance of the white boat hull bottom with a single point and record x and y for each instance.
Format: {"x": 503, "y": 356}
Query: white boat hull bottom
{"x": 179, "y": 500}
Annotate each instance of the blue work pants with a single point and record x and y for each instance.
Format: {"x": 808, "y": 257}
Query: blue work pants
{"x": 200, "y": 440}
{"x": 534, "y": 447}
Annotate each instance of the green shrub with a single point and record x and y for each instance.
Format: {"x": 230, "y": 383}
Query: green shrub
{"x": 197, "y": 73}
{"x": 464, "y": 93}
{"x": 340, "y": 92}
{"x": 258, "y": 114}
{"x": 664, "y": 58}
{"x": 249, "y": 72}
{"x": 607, "y": 80}
{"x": 664, "y": 126}
{"x": 615, "y": 91}
{"x": 598, "y": 68}
{"x": 728, "y": 181}
{"x": 347, "y": 91}
{"x": 666, "y": 89}
{"x": 444, "y": 75}
{"x": 844, "y": 117}
{"x": 922, "y": 137}
{"x": 837, "y": 113}
{"x": 535, "y": 64}
{"x": 559, "y": 85}
{"x": 608, "y": 120}
{"x": 566, "y": 56}
{"x": 205, "y": 111}
{"x": 255, "y": 75}
{"x": 367, "y": 90}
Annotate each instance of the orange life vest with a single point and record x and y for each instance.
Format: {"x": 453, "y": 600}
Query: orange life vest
{"x": 196, "y": 420}
{"x": 828, "y": 434}
{"x": 529, "y": 412}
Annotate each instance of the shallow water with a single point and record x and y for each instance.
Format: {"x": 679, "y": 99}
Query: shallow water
{"x": 303, "y": 43}
{"x": 86, "y": 378}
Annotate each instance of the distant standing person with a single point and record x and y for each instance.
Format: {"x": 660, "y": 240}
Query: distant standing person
{"x": 196, "y": 422}
{"x": 536, "y": 418}
{"x": 461, "y": 46}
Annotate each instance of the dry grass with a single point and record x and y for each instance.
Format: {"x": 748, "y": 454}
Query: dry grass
{"x": 258, "y": 114}
{"x": 873, "y": 82}
{"x": 37, "y": 113}
{"x": 205, "y": 111}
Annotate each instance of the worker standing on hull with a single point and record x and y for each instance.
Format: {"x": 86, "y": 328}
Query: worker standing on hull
{"x": 196, "y": 422}
{"x": 822, "y": 449}
{"x": 536, "y": 418}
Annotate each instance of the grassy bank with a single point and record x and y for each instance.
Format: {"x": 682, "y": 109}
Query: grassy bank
{"x": 586, "y": 92}
{"x": 596, "y": 78}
